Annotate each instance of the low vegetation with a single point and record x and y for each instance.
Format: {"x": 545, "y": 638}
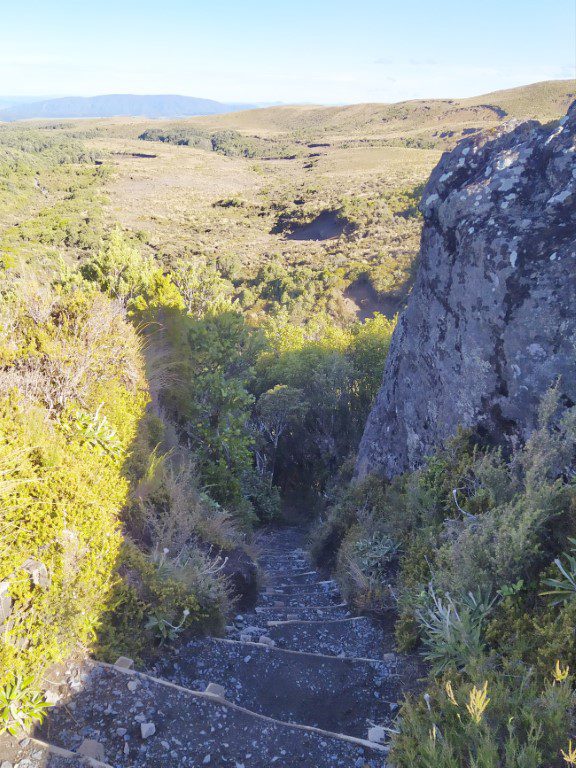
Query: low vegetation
{"x": 150, "y": 414}
{"x": 178, "y": 366}
{"x": 473, "y": 552}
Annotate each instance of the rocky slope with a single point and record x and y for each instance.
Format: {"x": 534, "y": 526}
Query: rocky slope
{"x": 491, "y": 322}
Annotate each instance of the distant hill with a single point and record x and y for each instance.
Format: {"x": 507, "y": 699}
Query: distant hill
{"x": 117, "y": 105}
{"x": 17, "y": 101}
{"x": 425, "y": 119}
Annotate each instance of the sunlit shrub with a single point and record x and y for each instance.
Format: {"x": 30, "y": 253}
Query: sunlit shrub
{"x": 494, "y": 719}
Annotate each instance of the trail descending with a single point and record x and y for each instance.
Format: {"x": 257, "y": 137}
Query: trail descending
{"x": 298, "y": 683}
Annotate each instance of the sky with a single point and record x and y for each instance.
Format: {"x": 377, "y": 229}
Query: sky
{"x": 301, "y": 51}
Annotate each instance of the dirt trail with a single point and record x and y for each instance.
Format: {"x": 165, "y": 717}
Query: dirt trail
{"x": 298, "y": 682}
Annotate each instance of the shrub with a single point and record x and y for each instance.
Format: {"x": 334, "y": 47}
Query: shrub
{"x": 21, "y": 705}
{"x": 453, "y": 631}
{"x": 120, "y": 270}
{"x": 169, "y": 510}
{"x": 365, "y": 569}
{"x": 500, "y": 719}
{"x": 563, "y": 587}
{"x": 473, "y": 524}
{"x": 152, "y": 595}
{"x": 60, "y": 537}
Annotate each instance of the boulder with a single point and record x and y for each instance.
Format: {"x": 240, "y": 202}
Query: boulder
{"x": 490, "y": 325}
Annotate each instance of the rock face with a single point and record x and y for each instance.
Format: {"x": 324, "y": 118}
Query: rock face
{"x": 491, "y": 322}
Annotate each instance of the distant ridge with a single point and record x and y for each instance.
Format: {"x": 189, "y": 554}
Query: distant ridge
{"x": 541, "y": 101}
{"x": 119, "y": 105}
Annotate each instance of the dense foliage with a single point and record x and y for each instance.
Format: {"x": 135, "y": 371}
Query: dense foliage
{"x": 71, "y": 394}
{"x": 163, "y": 392}
{"x": 100, "y": 515}
{"x": 149, "y": 417}
{"x": 225, "y": 142}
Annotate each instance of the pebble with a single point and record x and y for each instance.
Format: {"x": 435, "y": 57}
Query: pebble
{"x": 147, "y": 730}
{"x": 377, "y": 734}
{"x": 207, "y": 760}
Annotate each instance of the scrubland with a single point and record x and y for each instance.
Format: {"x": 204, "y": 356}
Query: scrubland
{"x": 194, "y": 318}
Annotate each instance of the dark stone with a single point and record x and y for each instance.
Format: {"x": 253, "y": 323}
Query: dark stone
{"x": 491, "y": 322}
{"x": 242, "y": 574}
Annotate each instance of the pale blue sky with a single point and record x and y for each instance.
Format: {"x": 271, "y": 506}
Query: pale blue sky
{"x": 299, "y": 51}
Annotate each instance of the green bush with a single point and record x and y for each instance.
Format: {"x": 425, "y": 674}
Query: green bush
{"x": 471, "y": 524}
{"x": 501, "y": 719}
{"x": 453, "y": 631}
{"x": 76, "y": 448}
{"x": 149, "y": 598}
{"x": 61, "y": 499}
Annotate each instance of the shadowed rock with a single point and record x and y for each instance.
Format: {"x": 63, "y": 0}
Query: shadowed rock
{"x": 491, "y": 322}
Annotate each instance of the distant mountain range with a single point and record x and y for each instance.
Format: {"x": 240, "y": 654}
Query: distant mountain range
{"x": 118, "y": 105}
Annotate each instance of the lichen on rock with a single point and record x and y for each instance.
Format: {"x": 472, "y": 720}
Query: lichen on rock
{"x": 491, "y": 322}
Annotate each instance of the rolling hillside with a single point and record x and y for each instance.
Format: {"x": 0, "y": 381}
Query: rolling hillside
{"x": 426, "y": 119}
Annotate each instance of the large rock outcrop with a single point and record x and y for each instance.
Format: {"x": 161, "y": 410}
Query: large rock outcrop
{"x": 491, "y": 322}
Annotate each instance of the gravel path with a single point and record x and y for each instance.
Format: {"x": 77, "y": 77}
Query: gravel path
{"x": 298, "y": 682}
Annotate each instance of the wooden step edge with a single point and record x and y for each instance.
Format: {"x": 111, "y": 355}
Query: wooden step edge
{"x": 61, "y": 752}
{"x": 272, "y": 648}
{"x": 318, "y": 592}
{"x": 231, "y": 705}
{"x": 282, "y": 622}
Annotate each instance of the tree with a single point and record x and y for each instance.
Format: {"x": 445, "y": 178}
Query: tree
{"x": 202, "y": 287}
{"x": 275, "y": 411}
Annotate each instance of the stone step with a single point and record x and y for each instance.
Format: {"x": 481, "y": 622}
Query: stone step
{"x": 316, "y": 598}
{"x": 279, "y": 555}
{"x": 361, "y": 637}
{"x": 275, "y": 581}
{"x": 283, "y": 565}
{"x": 143, "y": 722}
{"x": 257, "y": 623}
{"x": 297, "y": 575}
{"x": 289, "y": 687}
{"x": 300, "y": 613}
{"x": 319, "y": 587}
